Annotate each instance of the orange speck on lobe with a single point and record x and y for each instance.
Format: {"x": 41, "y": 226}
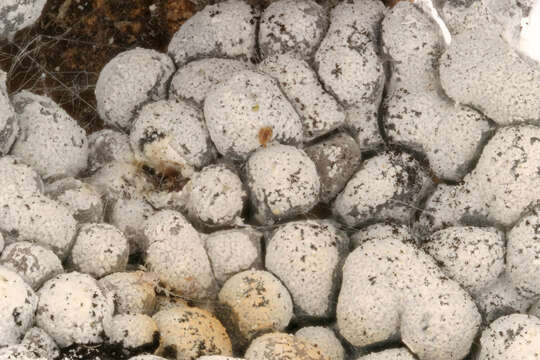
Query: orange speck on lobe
{"x": 435, "y": 179}
{"x": 265, "y": 135}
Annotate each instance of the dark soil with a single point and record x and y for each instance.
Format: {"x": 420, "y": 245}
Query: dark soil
{"x": 106, "y": 351}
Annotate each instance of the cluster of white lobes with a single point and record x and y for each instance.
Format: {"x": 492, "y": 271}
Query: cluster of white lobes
{"x": 416, "y": 126}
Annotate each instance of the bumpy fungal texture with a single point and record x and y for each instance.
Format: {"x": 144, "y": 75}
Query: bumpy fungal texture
{"x": 282, "y": 182}
{"x": 472, "y": 256}
{"x": 290, "y": 98}
{"x": 50, "y": 140}
{"x": 215, "y": 196}
{"x": 325, "y": 339}
{"x": 171, "y": 134}
{"x": 34, "y": 263}
{"x": 350, "y": 68}
{"x": 16, "y": 15}
{"x": 38, "y": 341}
{"x": 133, "y": 291}
{"x": 188, "y": 333}
{"x": 511, "y": 337}
{"x": 391, "y": 288}
{"x": 132, "y": 331}
{"x": 129, "y": 215}
{"x": 534, "y": 309}
{"x": 481, "y": 70}
{"x": 168, "y": 223}
{"x": 387, "y": 187}
{"x": 442, "y": 208}
{"x": 9, "y": 126}
{"x": 254, "y": 302}
{"x": 415, "y": 113}
{"x": 124, "y": 189}
{"x": 18, "y": 178}
{"x": 369, "y": 13}
{"x": 307, "y": 256}
{"x": 414, "y": 50}
{"x": 280, "y": 346}
{"x": 193, "y": 81}
{"x": 120, "y": 180}
{"x": 106, "y": 146}
{"x": 19, "y": 352}
{"x": 381, "y": 231}
{"x": 522, "y": 254}
{"x": 497, "y": 191}
{"x": 130, "y": 80}
{"x": 17, "y": 306}
{"x": 292, "y": 25}
{"x": 457, "y": 15}
{"x": 337, "y": 158}
{"x": 99, "y": 249}
{"x": 392, "y": 354}
{"x": 233, "y": 251}
{"x": 238, "y": 108}
{"x": 450, "y": 135}
{"x": 27, "y": 215}
{"x": 226, "y": 29}
{"x": 319, "y": 112}
{"x": 81, "y": 198}
{"x": 501, "y": 298}
{"x": 38, "y": 219}
{"x": 85, "y": 309}
{"x": 500, "y": 17}
{"x": 177, "y": 256}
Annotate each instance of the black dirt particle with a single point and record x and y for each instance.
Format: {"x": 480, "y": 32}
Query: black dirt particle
{"x": 170, "y": 352}
{"x": 17, "y": 317}
{"x": 337, "y": 72}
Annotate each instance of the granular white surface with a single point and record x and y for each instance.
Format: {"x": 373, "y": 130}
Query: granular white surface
{"x": 86, "y": 309}
{"x": 238, "y": 109}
